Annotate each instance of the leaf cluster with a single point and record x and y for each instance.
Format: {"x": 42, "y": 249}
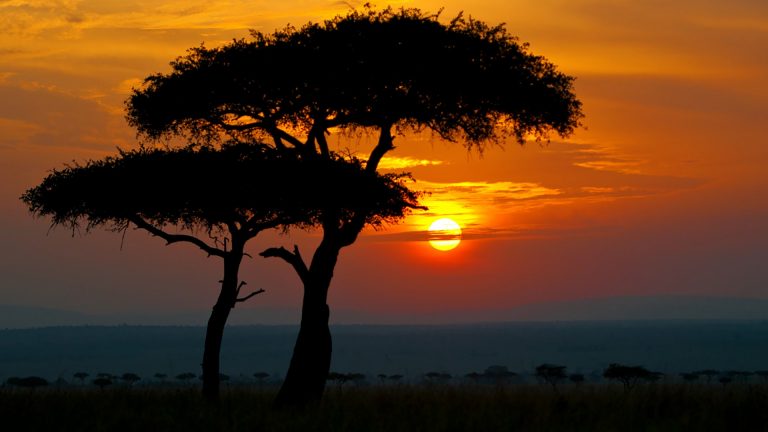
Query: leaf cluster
{"x": 243, "y": 185}
{"x": 464, "y": 80}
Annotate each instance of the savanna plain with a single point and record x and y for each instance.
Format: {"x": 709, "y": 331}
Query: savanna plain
{"x": 426, "y": 407}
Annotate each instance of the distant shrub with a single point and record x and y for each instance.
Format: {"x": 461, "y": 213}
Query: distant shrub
{"x": 185, "y": 376}
{"x": 130, "y": 378}
{"x": 629, "y": 376}
{"x": 27, "y": 382}
{"x": 498, "y": 374}
{"x": 551, "y": 374}
{"x": 102, "y": 382}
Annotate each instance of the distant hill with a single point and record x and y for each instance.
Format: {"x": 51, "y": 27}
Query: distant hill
{"x": 598, "y": 309}
{"x": 640, "y": 308}
{"x": 583, "y": 346}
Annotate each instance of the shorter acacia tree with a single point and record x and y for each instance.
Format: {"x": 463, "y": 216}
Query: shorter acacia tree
{"x": 629, "y": 376}
{"x": 81, "y": 376}
{"x": 130, "y": 378}
{"x": 229, "y": 195}
{"x": 551, "y": 374}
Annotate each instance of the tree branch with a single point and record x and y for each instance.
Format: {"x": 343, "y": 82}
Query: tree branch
{"x": 293, "y": 258}
{"x": 238, "y": 127}
{"x": 242, "y": 299}
{"x": 283, "y": 135}
{"x": 252, "y": 228}
{"x": 322, "y": 143}
{"x": 175, "y": 238}
{"x": 383, "y": 146}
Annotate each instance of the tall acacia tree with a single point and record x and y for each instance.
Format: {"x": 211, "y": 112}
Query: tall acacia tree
{"x": 217, "y": 200}
{"x": 384, "y": 72}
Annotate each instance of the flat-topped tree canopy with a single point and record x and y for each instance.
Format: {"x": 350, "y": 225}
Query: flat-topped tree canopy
{"x": 462, "y": 79}
{"x": 247, "y": 187}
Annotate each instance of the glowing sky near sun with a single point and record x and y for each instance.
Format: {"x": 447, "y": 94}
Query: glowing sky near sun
{"x": 663, "y": 191}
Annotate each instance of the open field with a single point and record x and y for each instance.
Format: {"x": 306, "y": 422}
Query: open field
{"x": 654, "y": 407}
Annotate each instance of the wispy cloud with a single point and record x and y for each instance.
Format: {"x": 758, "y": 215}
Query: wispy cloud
{"x": 399, "y": 163}
{"x": 501, "y": 191}
{"x": 626, "y": 167}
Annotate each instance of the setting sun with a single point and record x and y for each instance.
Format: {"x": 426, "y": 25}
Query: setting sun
{"x": 444, "y": 234}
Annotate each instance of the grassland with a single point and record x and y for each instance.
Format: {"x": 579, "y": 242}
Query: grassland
{"x": 655, "y": 407}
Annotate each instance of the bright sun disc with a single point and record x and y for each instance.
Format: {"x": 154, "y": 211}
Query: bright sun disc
{"x": 444, "y": 234}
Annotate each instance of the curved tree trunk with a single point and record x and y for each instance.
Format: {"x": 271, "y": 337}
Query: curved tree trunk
{"x": 305, "y": 380}
{"x": 216, "y": 323}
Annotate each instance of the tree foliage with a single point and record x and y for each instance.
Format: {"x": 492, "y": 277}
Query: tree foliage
{"x": 27, "y": 382}
{"x": 464, "y": 80}
{"x": 629, "y": 376}
{"x": 551, "y": 374}
{"x": 249, "y": 186}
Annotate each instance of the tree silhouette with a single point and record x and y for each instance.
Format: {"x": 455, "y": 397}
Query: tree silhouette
{"x": 629, "y": 376}
{"x": 551, "y": 374}
{"x": 229, "y": 194}
{"x": 474, "y": 377}
{"x": 102, "y": 382}
{"x": 379, "y": 72}
{"x": 31, "y": 382}
{"x": 81, "y": 376}
{"x": 498, "y": 374}
{"x": 131, "y": 378}
{"x": 338, "y": 378}
{"x": 395, "y": 378}
{"x": 185, "y": 377}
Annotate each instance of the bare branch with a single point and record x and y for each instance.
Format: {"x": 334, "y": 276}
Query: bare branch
{"x": 175, "y": 238}
{"x": 242, "y": 284}
{"x": 253, "y": 227}
{"x": 242, "y": 299}
{"x": 293, "y": 258}
{"x": 238, "y": 127}
{"x": 322, "y": 143}
{"x": 283, "y": 135}
{"x": 382, "y": 147}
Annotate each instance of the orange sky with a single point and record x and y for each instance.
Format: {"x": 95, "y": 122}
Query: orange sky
{"x": 663, "y": 192}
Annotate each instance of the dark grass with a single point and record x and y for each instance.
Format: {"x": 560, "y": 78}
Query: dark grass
{"x": 660, "y": 407}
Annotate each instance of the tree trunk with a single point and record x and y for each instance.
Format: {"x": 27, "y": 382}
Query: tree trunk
{"x": 216, "y": 323}
{"x": 305, "y": 380}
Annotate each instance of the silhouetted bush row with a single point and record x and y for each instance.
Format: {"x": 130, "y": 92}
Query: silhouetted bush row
{"x": 550, "y": 374}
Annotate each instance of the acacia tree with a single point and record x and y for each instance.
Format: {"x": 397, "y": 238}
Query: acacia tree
{"x": 629, "y": 376}
{"x": 380, "y": 72}
{"x": 551, "y": 374}
{"x": 227, "y": 196}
